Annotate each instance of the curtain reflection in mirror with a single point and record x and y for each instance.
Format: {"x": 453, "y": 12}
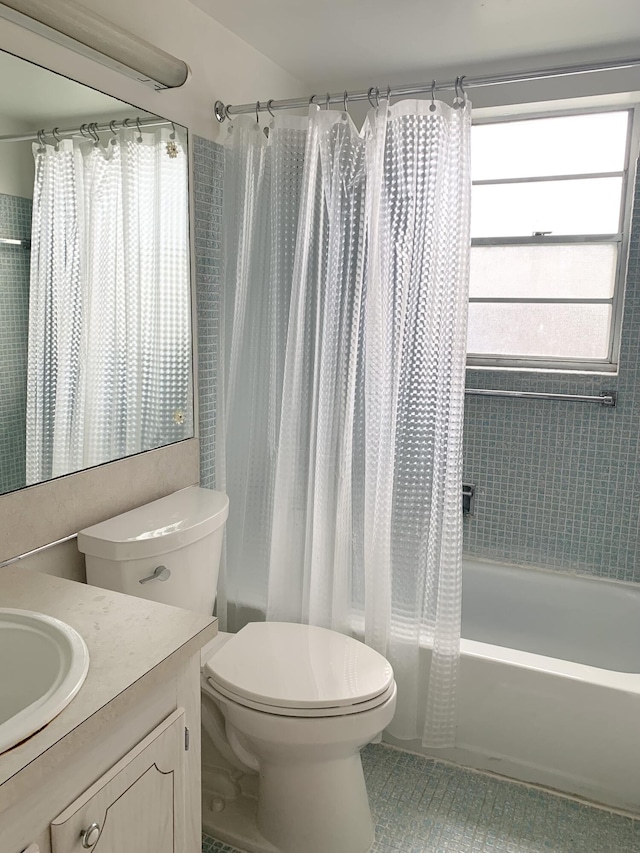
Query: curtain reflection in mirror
{"x": 109, "y": 363}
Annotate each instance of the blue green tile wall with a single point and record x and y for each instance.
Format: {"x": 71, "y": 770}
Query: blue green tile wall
{"x": 558, "y": 483}
{"x": 208, "y": 164}
{"x": 15, "y": 222}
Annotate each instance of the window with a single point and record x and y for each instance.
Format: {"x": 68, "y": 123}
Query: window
{"x": 549, "y": 226}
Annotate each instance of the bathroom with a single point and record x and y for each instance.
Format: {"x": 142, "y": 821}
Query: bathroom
{"x": 553, "y": 519}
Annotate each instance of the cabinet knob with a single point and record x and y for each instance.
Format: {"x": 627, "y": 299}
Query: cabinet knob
{"x": 90, "y": 835}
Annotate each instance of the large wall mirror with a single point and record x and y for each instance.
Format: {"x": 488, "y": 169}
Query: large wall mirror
{"x": 95, "y": 331}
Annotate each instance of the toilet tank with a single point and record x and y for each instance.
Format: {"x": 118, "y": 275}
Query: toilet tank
{"x": 181, "y": 534}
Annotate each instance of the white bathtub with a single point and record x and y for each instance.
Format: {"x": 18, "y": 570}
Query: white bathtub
{"x": 549, "y": 688}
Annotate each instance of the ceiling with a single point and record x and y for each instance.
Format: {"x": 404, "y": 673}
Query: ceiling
{"x": 335, "y": 44}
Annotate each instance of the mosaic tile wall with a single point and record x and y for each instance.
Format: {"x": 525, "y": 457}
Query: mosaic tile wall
{"x": 208, "y": 170}
{"x": 558, "y": 483}
{"x": 15, "y": 221}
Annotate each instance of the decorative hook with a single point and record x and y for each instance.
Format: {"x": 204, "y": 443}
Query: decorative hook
{"x": 56, "y": 135}
{"x": 432, "y": 106}
{"x": 270, "y": 111}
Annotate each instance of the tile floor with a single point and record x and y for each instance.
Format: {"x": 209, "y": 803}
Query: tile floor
{"x": 423, "y": 806}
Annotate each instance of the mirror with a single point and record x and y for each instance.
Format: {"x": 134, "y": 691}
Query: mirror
{"x": 95, "y": 343}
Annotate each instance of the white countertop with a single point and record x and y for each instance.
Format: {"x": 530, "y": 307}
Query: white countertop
{"x": 126, "y": 637}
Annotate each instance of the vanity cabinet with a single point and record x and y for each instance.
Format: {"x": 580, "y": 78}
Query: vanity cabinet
{"x": 137, "y": 806}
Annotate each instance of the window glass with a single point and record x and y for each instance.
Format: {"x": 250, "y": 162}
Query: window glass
{"x": 559, "y": 330}
{"x": 563, "y": 145}
{"x": 570, "y": 271}
{"x": 589, "y": 206}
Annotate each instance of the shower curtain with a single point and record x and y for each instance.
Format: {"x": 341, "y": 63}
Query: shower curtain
{"x": 109, "y": 344}
{"x": 345, "y": 308}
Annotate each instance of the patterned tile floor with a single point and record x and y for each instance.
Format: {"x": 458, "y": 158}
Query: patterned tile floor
{"x": 423, "y": 806}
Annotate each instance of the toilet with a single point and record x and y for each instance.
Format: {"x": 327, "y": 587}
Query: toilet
{"x": 286, "y": 708}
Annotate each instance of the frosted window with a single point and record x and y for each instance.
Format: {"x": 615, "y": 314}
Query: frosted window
{"x": 573, "y": 271}
{"x": 590, "y": 206}
{"x": 563, "y": 145}
{"x": 551, "y": 330}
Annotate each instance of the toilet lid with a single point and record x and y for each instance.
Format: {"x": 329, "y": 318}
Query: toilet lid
{"x": 286, "y": 665}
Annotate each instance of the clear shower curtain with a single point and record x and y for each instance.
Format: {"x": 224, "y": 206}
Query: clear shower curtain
{"x": 109, "y": 344}
{"x": 345, "y": 337}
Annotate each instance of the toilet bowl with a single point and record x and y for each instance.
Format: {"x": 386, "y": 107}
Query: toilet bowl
{"x": 286, "y": 707}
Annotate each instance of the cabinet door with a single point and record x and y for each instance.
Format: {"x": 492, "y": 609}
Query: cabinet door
{"x": 138, "y": 806}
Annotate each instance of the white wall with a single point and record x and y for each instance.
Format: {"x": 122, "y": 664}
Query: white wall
{"x": 223, "y": 67}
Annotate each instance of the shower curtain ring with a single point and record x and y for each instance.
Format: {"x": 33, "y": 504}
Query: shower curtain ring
{"x": 113, "y": 131}
{"x": 139, "y": 139}
{"x": 84, "y": 130}
{"x": 43, "y": 144}
{"x": 326, "y": 102}
{"x": 370, "y": 96}
{"x": 269, "y": 102}
{"x": 257, "y": 112}
{"x": 462, "y": 91}
{"x": 56, "y": 135}
{"x": 389, "y": 94}
{"x": 345, "y": 98}
{"x": 432, "y": 106}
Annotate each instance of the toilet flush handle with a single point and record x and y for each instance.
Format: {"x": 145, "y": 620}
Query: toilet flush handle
{"x": 162, "y": 573}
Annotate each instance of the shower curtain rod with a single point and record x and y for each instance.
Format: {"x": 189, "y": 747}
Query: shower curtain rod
{"x": 222, "y": 111}
{"x": 61, "y": 133}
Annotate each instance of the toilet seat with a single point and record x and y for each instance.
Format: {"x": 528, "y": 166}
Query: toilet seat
{"x": 296, "y": 670}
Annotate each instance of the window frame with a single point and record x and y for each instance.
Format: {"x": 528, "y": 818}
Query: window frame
{"x": 609, "y": 364}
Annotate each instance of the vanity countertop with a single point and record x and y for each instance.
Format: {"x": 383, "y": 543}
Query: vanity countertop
{"x": 127, "y": 637}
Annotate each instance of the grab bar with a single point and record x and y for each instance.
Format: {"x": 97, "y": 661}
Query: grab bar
{"x": 605, "y": 398}
{"x": 11, "y": 241}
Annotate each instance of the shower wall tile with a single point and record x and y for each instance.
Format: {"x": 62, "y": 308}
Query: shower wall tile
{"x": 558, "y": 483}
{"x": 208, "y": 162}
{"x": 15, "y": 222}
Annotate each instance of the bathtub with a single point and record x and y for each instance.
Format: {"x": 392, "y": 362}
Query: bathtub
{"x": 549, "y": 684}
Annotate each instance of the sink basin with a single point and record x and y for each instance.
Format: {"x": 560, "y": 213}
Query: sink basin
{"x": 43, "y": 664}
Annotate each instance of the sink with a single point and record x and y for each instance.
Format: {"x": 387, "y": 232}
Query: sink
{"x": 43, "y": 664}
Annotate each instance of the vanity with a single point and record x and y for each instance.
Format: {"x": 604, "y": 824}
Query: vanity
{"x": 118, "y": 770}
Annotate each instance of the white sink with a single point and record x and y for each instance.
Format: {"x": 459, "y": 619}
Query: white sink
{"x": 43, "y": 664}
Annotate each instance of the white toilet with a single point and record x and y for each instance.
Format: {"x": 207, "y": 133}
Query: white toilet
{"x": 286, "y": 707}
